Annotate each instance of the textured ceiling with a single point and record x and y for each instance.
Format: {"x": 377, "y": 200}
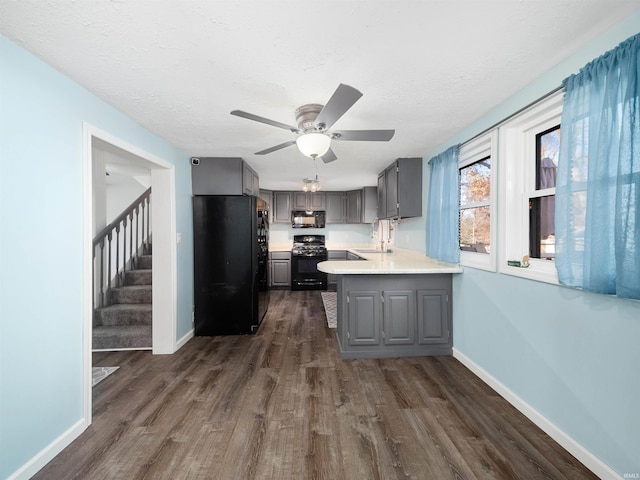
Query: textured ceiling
{"x": 426, "y": 68}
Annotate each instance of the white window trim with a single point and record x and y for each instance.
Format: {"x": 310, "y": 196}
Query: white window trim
{"x": 477, "y": 149}
{"x": 516, "y": 184}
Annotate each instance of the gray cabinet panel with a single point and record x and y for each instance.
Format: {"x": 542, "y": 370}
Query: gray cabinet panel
{"x": 364, "y": 317}
{"x": 433, "y": 326}
{"x": 308, "y": 200}
{"x": 382, "y": 198}
{"x": 399, "y": 317}
{"x": 369, "y": 204}
{"x": 317, "y": 200}
{"x": 353, "y": 200}
{"x": 299, "y": 201}
{"x": 280, "y": 268}
{"x": 223, "y": 176}
{"x": 282, "y": 207}
{"x": 391, "y": 190}
{"x": 335, "y": 211}
{"x": 400, "y": 189}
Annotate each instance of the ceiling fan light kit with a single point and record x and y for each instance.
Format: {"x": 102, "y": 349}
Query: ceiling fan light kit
{"x": 315, "y": 121}
{"x": 313, "y": 144}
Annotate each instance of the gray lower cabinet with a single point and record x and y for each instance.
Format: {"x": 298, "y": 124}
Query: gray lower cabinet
{"x": 399, "y": 314}
{"x": 364, "y": 318}
{"x": 394, "y": 315}
{"x": 280, "y": 269}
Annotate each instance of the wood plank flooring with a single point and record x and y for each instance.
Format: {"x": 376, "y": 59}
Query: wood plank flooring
{"x": 281, "y": 404}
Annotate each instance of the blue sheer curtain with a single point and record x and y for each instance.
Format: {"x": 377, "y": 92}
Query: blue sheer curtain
{"x": 598, "y": 186}
{"x": 442, "y": 214}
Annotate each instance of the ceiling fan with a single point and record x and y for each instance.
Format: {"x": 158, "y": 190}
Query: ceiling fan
{"x": 314, "y": 124}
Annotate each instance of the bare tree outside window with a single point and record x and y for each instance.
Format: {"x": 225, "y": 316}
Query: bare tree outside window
{"x": 475, "y": 197}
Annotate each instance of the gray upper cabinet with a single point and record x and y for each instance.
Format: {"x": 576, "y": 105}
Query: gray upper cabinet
{"x": 223, "y": 176}
{"x": 382, "y": 199}
{"x": 335, "y": 211}
{"x": 369, "y": 204}
{"x": 354, "y": 206}
{"x": 309, "y": 200}
{"x": 391, "y": 191}
{"x": 249, "y": 180}
{"x": 281, "y": 207}
{"x": 401, "y": 185}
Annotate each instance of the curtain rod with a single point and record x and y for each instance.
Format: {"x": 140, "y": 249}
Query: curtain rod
{"x": 530, "y": 104}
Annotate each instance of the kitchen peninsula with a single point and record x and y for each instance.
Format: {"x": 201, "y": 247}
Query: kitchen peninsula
{"x": 392, "y": 304}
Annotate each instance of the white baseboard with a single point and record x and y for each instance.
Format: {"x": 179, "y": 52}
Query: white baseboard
{"x": 43, "y": 457}
{"x": 583, "y": 455}
{"x": 181, "y": 343}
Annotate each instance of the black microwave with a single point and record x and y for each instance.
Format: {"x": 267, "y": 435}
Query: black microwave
{"x": 307, "y": 218}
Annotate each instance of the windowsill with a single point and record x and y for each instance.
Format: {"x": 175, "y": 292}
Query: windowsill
{"x": 538, "y": 270}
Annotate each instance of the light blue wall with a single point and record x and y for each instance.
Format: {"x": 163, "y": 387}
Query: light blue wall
{"x": 572, "y": 356}
{"x": 41, "y": 124}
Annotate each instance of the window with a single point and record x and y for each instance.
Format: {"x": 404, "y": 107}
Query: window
{"x": 529, "y": 145}
{"x": 542, "y": 202}
{"x": 476, "y": 166}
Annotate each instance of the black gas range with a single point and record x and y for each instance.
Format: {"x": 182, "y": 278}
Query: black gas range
{"x": 307, "y": 252}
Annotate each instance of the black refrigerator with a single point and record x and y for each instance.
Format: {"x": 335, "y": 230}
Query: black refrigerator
{"x": 231, "y": 235}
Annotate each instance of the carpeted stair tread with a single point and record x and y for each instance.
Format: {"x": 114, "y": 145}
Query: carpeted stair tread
{"x": 143, "y": 262}
{"x": 125, "y": 314}
{"x": 132, "y": 294}
{"x": 138, "y": 277}
{"x": 123, "y": 336}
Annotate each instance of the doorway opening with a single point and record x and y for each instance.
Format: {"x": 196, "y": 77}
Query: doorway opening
{"x": 161, "y": 178}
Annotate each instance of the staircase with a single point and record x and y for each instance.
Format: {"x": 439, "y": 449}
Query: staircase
{"x": 126, "y": 323}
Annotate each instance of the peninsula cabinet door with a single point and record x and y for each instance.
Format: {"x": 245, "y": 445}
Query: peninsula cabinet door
{"x": 399, "y": 317}
{"x": 433, "y": 317}
{"x": 364, "y": 317}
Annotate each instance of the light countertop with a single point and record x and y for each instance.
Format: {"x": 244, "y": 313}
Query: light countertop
{"x": 398, "y": 261}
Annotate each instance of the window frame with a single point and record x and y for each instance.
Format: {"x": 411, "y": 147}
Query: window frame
{"x": 517, "y": 185}
{"x": 471, "y": 152}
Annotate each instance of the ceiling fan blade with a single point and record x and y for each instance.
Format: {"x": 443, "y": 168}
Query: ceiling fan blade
{"x": 329, "y": 156}
{"x": 277, "y": 147}
{"x": 251, "y": 116}
{"x": 342, "y": 100}
{"x": 363, "y": 135}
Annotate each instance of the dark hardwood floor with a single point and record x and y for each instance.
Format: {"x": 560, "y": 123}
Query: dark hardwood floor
{"x": 283, "y": 405}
